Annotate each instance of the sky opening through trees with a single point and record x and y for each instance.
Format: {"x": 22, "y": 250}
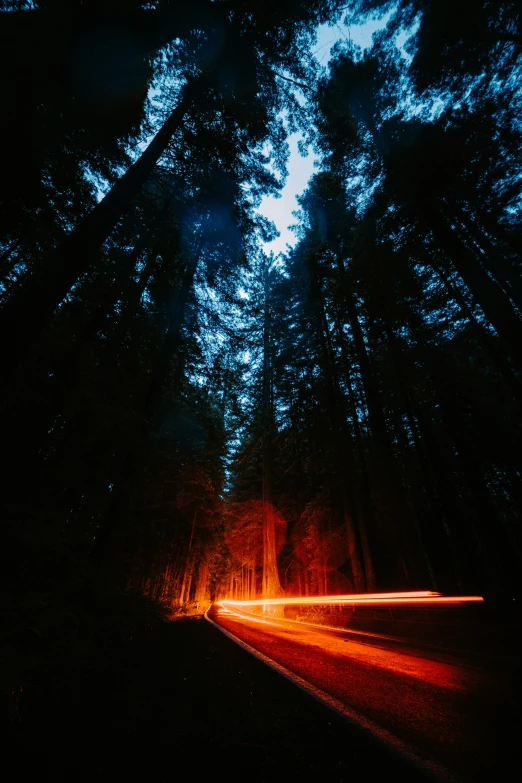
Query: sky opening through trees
{"x": 197, "y": 408}
{"x": 280, "y": 209}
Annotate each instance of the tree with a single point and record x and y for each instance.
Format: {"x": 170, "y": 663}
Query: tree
{"x": 250, "y": 47}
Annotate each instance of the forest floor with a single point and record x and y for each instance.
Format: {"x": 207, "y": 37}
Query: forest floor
{"x": 181, "y": 700}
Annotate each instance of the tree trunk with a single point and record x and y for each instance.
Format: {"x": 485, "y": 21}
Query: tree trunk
{"x": 366, "y": 512}
{"x": 339, "y": 431}
{"x": 171, "y": 344}
{"x": 134, "y": 462}
{"x": 30, "y": 310}
{"x": 490, "y": 255}
{"x": 491, "y": 345}
{"x": 201, "y": 597}
{"x": 271, "y": 584}
{"x": 133, "y": 300}
{"x": 495, "y": 557}
{"x": 353, "y": 523}
{"x": 494, "y": 302}
{"x": 436, "y": 514}
{"x": 388, "y": 481}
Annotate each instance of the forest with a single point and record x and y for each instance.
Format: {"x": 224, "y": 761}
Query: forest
{"x": 188, "y": 417}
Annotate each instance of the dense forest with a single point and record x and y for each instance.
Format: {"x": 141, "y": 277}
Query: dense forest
{"x": 188, "y": 416}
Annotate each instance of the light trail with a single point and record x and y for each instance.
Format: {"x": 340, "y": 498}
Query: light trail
{"x": 426, "y": 597}
{"x": 427, "y": 700}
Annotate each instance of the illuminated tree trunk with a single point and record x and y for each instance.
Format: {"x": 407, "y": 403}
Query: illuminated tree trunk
{"x": 201, "y": 597}
{"x": 166, "y": 583}
{"x": 252, "y": 593}
{"x": 299, "y": 585}
{"x": 189, "y": 565}
{"x": 185, "y": 587}
{"x": 271, "y": 585}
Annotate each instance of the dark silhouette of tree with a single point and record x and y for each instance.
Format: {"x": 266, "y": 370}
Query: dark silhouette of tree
{"x": 199, "y": 419}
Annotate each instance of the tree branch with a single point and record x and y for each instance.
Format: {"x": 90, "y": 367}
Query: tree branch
{"x": 292, "y": 81}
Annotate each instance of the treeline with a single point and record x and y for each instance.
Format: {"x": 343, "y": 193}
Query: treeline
{"x": 184, "y": 415}
{"x": 138, "y": 140}
{"x": 396, "y": 339}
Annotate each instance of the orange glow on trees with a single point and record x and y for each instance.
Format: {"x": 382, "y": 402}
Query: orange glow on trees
{"x": 244, "y": 539}
{"x": 321, "y": 549}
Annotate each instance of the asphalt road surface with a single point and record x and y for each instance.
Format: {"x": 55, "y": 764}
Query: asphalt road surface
{"x": 456, "y": 719}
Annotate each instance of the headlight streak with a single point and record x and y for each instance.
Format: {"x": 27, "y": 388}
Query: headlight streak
{"x": 425, "y": 597}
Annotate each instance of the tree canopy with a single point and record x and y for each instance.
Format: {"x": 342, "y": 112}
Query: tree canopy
{"x": 186, "y": 413}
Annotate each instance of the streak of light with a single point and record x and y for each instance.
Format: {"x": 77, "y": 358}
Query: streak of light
{"x": 426, "y": 597}
{"x": 252, "y": 618}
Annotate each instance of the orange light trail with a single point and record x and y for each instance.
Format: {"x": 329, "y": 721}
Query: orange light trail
{"x": 362, "y": 599}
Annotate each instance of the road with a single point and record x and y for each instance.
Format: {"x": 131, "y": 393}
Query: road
{"x": 457, "y": 720}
